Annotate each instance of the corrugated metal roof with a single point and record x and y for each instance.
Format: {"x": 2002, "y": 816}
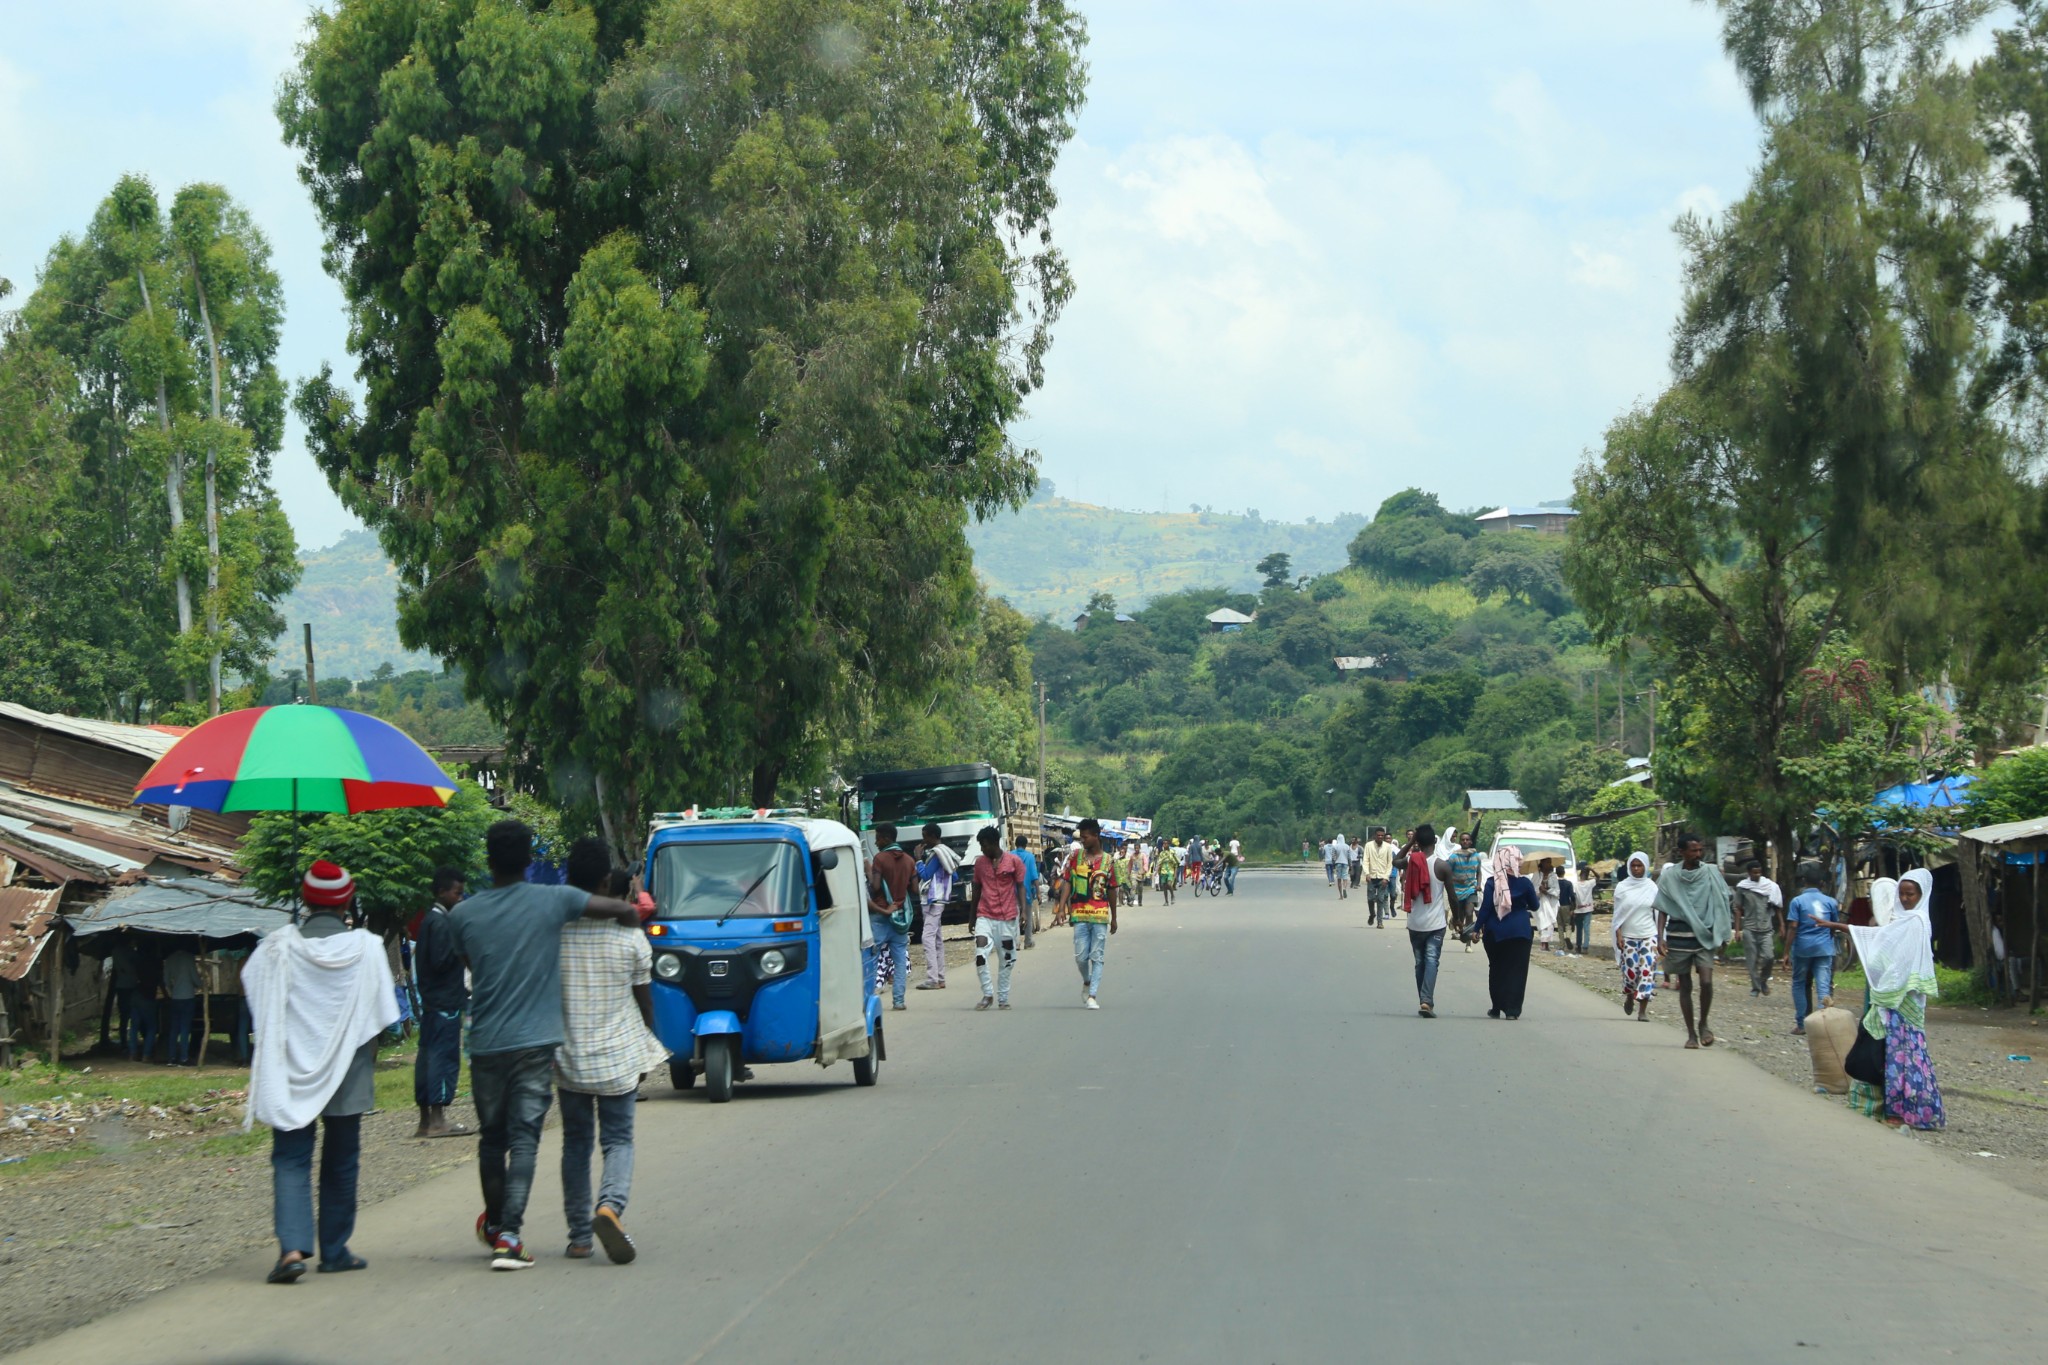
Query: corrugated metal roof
{"x": 1499, "y": 799}
{"x": 1226, "y": 616}
{"x": 1498, "y": 513}
{"x": 25, "y": 918}
{"x": 146, "y": 740}
{"x": 2013, "y": 832}
{"x": 73, "y": 851}
{"x": 194, "y": 905}
{"x": 75, "y": 841}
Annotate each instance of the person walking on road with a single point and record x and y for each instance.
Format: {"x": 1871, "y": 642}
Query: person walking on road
{"x": 323, "y": 995}
{"x": 1505, "y": 907}
{"x": 1549, "y": 897}
{"x": 1027, "y": 914}
{"x": 1465, "y": 864}
{"x": 1088, "y": 902}
{"x": 1811, "y": 946}
{"x": 511, "y": 937}
{"x": 1169, "y": 871}
{"x": 444, "y": 995}
{"x": 1378, "y": 857}
{"x": 936, "y": 865}
{"x": 1329, "y": 862}
{"x": 998, "y": 893}
{"x": 1693, "y": 921}
{"x": 1426, "y": 897}
{"x": 1356, "y": 861}
{"x": 1760, "y": 905}
{"x": 1635, "y": 934}
{"x": 608, "y": 1047}
{"x": 1233, "y": 858}
{"x": 1898, "y": 961}
{"x": 892, "y": 902}
{"x": 1340, "y": 863}
{"x": 1192, "y": 860}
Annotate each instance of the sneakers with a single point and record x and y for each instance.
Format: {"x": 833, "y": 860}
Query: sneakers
{"x": 1092, "y": 1005}
{"x": 485, "y": 1233}
{"x": 1002, "y": 1004}
{"x": 987, "y": 1002}
{"x": 509, "y": 1253}
{"x": 611, "y": 1235}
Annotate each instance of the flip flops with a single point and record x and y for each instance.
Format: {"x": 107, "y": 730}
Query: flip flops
{"x": 285, "y": 1272}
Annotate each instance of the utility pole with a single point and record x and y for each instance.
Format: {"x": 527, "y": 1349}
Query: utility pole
{"x": 312, "y": 683}
{"x": 1621, "y": 712}
{"x": 1041, "y": 756}
{"x": 1653, "y": 722}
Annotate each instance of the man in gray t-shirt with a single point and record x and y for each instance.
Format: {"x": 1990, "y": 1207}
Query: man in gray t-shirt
{"x": 511, "y": 937}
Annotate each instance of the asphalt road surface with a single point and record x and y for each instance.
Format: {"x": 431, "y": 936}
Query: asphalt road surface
{"x": 1254, "y": 1152}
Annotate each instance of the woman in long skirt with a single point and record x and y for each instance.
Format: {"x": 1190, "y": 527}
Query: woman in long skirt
{"x": 1505, "y": 906}
{"x": 1635, "y": 935}
{"x": 1898, "y": 961}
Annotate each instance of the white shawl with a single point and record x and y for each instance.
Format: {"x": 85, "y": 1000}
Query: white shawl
{"x": 313, "y": 1001}
{"x": 1635, "y": 900}
{"x": 1898, "y": 958}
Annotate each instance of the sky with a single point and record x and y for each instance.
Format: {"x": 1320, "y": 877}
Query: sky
{"x": 1324, "y": 249}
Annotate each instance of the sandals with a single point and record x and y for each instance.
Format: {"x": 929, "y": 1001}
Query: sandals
{"x": 286, "y": 1272}
{"x": 578, "y": 1251}
{"x": 350, "y": 1261}
{"x": 1706, "y": 1037}
{"x": 1692, "y": 1044}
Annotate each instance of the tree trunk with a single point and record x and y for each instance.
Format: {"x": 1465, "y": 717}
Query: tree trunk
{"x": 1977, "y": 910}
{"x": 174, "y": 487}
{"x": 767, "y": 776}
{"x": 212, "y": 501}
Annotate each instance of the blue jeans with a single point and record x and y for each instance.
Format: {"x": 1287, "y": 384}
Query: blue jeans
{"x": 245, "y": 1025}
{"x": 512, "y": 1092}
{"x": 1429, "y": 950}
{"x": 439, "y": 1060}
{"x": 291, "y": 1186}
{"x": 896, "y": 943}
{"x": 608, "y": 1119}
{"x": 1230, "y": 879}
{"x": 180, "y": 1047}
{"x": 1089, "y": 942}
{"x": 1582, "y": 930}
{"x": 1816, "y": 971}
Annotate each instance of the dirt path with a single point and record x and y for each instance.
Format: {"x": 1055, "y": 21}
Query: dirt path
{"x": 1995, "y": 1106}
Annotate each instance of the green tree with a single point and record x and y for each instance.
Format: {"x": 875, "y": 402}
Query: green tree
{"x": 664, "y": 309}
{"x": 1412, "y": 539}
{"x": 392, "y": 854}
{"x": 1522, "y": 567}
{"x": 2012, "y": 788}
{"x": 1276, "y": 569}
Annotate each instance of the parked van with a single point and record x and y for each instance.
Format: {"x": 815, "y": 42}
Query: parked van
{"x": 1538, "y": 840}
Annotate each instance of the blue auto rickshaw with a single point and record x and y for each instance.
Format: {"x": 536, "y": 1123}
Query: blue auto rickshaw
{"x": 762, "y": 951}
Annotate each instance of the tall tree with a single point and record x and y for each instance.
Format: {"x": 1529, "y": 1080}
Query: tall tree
{"x": 689, "y": 333}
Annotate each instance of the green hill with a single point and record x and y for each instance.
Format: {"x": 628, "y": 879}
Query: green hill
{"x": 350, "y": 594}
{"x": 1051, "y": 556}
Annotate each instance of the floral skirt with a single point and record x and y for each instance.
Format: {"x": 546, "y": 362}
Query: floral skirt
{"x": 1639, "y": 967}
{"x": 1910, "y": 1091}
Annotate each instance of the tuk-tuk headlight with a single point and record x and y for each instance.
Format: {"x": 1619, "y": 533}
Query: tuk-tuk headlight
{"x": 668, "y": 966}
{"x": 772, "y": 962}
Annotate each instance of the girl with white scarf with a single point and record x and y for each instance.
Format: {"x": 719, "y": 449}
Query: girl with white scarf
{"x": 1898, "y": 962}
{"x": 1635, "y": 934}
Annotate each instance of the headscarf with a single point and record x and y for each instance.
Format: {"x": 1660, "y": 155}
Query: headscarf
{"x": 1634, "y": 896}
{"x": 1884, "y": 900}
{"x": 1507, "y": 862}
{"x": 1700, "y": 898}
{"x": 1898, "y": 960}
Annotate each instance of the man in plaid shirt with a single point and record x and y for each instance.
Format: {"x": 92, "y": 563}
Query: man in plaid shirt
{"x": 608, "y": 1046}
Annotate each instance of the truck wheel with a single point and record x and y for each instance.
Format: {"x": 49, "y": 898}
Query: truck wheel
{"x": 867, "y": 1070}
{"x": 718, "y": 1069}
{"x": 682, "y": 1075}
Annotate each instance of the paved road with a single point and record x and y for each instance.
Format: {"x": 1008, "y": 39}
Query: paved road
{"x": 1254, "y": 1152}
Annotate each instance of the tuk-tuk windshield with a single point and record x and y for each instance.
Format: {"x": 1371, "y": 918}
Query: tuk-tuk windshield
{"x": 764, "y": 878}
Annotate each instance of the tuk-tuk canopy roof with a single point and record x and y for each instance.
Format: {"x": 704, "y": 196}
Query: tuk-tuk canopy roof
{"x": 814, "y": 834}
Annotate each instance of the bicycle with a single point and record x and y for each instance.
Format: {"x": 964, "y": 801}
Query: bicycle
{"x": 1212, "y": 877}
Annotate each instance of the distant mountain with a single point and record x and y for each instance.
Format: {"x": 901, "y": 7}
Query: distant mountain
{"x": 350, "y": 593}
{"x": 1050, "y": 557}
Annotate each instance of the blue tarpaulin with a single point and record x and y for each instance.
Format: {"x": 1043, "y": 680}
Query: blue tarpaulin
{"x": 1948, "y": 792}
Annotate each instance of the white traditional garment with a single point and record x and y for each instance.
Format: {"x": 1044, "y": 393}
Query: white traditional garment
{"x": 1765, "y": 887}
{"x": 1898, "y": 959}
{"x": 313, "y": 1002}
{"x": 1884, "y": 900}
{"x": 1635, "y": 900}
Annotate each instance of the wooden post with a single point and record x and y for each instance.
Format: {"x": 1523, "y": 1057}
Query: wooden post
{"x": 205, "y": 1014}
{"x": 1976, "y": 912}
{"x": 312, "y": 682}
{"x": 55, "y": 948}
{"x": 2034, "y": 948}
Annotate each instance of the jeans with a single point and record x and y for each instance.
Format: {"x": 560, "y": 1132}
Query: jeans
{"x": 245, "y": 1025}
{"x": 512, "y": 1091}
{"x": 1429, "y": 950}
{"x": 439, "y": 1061}
{"x": 180, "y": 1046}
{"x": 127, "y": 1007}
{"x": 145, "y": 1025}
{"x": 608, "y": 1119}
{"x": 892, "y": 945}
{"x": 1089, "y": 942}
{"x": 1378, "y": 898}
{"x": 934, "y": 945}
{"x": 1230, "y": 879}
{"x": 291, "y": 1186}
{"x": 1756, "y": 948}
{"x": 1582, "y": 932}
{"x": 1329, "y": 874}
{"x": 1813, "y": 980}
{"x": 995, "y": 938}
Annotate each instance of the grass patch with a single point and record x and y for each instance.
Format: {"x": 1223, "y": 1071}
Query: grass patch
{"x": 237, "y": 1143}
{"x": 41, "y": 1162}
{"x": 1365, "y": 591}
{"x": 1957, "y": 985}
{"x": 159, "y": 1085}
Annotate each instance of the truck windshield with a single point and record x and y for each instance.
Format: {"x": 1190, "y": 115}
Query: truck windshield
{"x": 912, "y": 808}
{"x": 704, "y": 881}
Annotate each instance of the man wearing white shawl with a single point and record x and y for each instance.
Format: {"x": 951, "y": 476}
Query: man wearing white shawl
{"x": 320, "y": 994}
{"x": 1898, "y": 962}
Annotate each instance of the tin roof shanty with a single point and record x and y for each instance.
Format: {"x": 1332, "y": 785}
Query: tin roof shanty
{"x": 25, "y": 916}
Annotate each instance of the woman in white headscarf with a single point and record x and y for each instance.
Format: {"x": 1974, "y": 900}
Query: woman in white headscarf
{"x": 1635, "y": 934}
{"x": 1898, "y": 962}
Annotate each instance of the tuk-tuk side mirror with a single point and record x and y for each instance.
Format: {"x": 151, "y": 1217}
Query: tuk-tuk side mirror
{"x": 823, "y": 861}
{"x": 826, "y": 859}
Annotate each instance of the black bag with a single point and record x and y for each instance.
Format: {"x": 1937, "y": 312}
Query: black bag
{"x": 1865, "y": 1061}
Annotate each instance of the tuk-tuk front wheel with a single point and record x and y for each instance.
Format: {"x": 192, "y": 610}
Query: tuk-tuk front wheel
{"x": 682, "y": 1075}
{"x": 718, "y": 1069}
{"x": 867, "y": 1070}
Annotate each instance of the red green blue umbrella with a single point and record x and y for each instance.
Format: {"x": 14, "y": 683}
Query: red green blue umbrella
{"x": 295, "y": 758}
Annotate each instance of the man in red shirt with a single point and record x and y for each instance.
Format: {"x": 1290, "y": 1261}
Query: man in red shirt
{"x": 998, "y": 889}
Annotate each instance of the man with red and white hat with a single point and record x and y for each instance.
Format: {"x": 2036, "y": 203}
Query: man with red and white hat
{"x": 321, "y": 995}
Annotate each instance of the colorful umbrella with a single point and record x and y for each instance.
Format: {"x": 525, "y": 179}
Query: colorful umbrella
{"x": 295, "y": 758}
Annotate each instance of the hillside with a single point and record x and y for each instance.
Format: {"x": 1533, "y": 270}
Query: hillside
{"x": 1052, "y": 555}
{"x": 1048, "y": 558}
